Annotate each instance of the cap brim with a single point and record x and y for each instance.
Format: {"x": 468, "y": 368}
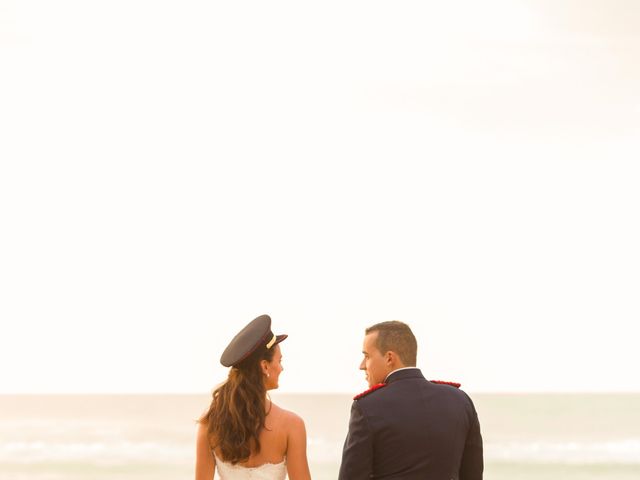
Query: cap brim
{"x": 280, "y": 338}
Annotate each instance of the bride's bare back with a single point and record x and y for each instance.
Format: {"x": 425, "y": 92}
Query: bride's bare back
{"x": 273, "y": 439}
{"x": 283, "y": 439}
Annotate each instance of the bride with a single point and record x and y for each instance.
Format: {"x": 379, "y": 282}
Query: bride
{"x": 244, "y": 435}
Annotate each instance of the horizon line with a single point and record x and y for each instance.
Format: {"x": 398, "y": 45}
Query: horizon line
{"x": 208, "y": 393}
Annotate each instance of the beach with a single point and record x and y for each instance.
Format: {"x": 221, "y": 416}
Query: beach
{"x": 127, "y": 437}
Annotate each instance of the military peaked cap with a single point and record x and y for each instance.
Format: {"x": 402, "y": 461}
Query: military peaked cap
{"x": 257, "y": 332}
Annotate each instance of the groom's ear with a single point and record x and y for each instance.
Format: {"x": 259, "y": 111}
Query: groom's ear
{"x": 389, "y": 357}
{"x": 393, "y": 359}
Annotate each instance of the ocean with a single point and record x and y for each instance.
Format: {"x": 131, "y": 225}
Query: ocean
{"x": 127, "y": 437}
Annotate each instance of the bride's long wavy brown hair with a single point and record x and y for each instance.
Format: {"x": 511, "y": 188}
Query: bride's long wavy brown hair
{"x": 237, "y": 412}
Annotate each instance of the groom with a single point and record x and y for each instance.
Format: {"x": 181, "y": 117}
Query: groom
{"x": 406, "y": 427}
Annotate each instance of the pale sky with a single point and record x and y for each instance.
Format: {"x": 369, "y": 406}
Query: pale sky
{"x": 170, "y": 170}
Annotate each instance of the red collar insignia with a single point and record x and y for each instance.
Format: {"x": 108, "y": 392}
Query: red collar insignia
{"x": 442, "y": 382}
{"x": 367, "y": 392}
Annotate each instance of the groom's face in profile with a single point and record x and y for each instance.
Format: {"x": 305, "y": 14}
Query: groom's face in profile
{"x": 374, "y": 362}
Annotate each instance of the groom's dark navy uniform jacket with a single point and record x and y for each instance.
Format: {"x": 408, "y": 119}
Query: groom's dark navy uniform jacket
{"x": 412, "y": 429}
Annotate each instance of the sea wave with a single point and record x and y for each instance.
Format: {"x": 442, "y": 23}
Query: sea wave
{"x": 321, "y": 450}
{"x": 116, "y": 453}
{"x": 623, "y": 451}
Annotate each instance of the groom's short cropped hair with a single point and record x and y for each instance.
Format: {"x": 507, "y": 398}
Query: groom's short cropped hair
{"x": 397, "y": 337}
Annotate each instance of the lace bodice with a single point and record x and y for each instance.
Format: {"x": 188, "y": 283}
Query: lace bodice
{"x": 267, "y": 471}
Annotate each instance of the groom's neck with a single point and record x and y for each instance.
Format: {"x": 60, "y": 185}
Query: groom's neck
{"x": 400, "y": 367}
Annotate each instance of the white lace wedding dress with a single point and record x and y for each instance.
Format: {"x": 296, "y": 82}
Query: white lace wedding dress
{"x": 268, "y": 471}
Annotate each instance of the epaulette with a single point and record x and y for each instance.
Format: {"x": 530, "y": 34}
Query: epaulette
{"x": 442, "y": 382}
{"x": 367, "y": 392}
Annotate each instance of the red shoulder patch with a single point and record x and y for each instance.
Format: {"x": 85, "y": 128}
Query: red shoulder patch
{"x": 442, "y": 382}
{"x": 367, "y": 392}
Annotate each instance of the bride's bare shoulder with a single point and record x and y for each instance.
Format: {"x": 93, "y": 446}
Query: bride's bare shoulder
{"x": 288, "y": 418}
